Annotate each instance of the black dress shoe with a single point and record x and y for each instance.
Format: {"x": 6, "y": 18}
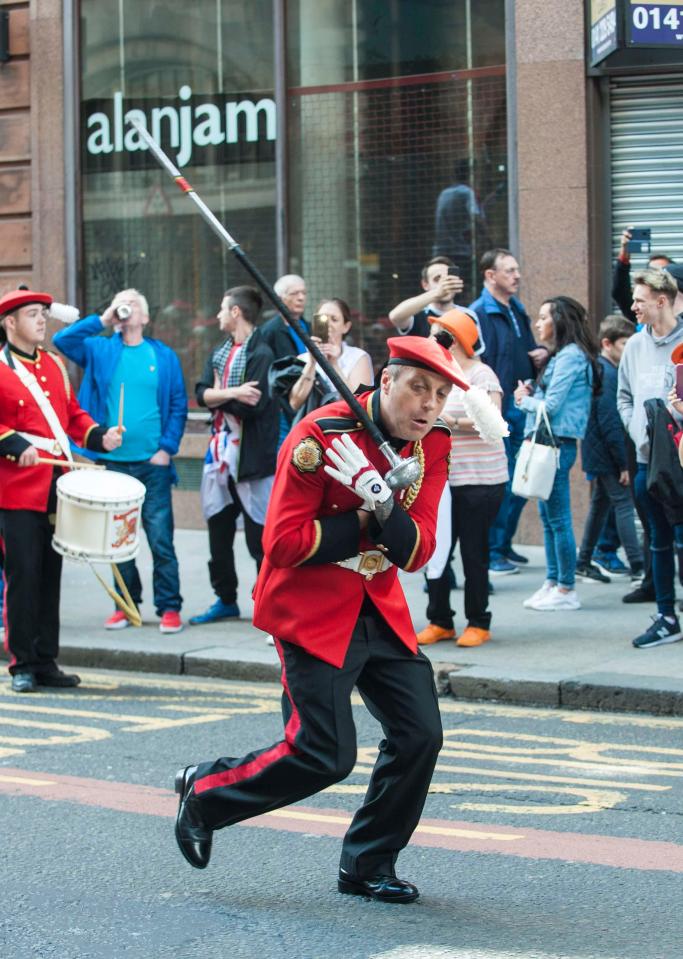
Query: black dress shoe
{"x": 24, "y": 683}
{"x": 193, "y": 836}
{"x": 639, "y": 595}
{"x": 381, "y": 888}
{"x": 57, "y": 679}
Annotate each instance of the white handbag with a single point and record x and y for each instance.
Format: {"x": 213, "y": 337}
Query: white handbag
{"x": 536, "y": 463}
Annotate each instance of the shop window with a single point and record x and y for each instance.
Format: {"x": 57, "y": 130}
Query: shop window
{"x": 200, "y": 76}
{"x": 397, "y": 147}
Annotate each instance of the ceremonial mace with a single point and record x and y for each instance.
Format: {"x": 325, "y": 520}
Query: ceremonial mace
{"x": 402, "y": 472}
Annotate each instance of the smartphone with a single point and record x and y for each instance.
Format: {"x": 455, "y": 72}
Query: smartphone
{"x": 320, "y": 327}
{"x": 453, "y": 271}
{"x": 640, "y": 239}
{"x": 679, "y": 380}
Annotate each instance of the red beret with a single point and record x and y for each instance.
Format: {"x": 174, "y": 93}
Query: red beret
{"x": 426, "y": 354}
{"x": 16, "y": 298}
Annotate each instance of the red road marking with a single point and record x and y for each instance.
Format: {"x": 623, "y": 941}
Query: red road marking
{"x": 455, "y": 835}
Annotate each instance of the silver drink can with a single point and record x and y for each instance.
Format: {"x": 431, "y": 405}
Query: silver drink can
{"x": 123, "y": 312}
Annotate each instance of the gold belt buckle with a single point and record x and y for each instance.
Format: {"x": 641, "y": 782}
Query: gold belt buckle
{"x": 370, "y": 564}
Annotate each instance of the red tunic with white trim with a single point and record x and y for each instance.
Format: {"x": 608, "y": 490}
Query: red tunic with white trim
{"x": 29, "y": 487}
{"x": 301, "y": 596}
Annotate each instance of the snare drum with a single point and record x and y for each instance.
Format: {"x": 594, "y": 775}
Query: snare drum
{"x": 98, "y": 516}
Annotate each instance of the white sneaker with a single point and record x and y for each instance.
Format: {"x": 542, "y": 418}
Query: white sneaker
{"x": 555, "y": 599}
{"x": 270, "y": 640}
{"x": 539, "y": 594}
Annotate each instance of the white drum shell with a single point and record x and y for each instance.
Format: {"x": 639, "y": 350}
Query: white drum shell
{"x": 98, "y": 516}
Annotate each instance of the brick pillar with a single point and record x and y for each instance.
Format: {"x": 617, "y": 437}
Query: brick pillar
{"x": 549, "y": 89}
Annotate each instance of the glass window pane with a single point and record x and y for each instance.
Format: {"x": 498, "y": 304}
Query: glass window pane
{"x": 386, "y": 173}
{"x": 200, "y": 78}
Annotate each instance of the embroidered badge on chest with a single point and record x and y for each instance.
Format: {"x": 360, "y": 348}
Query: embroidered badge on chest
{"x": 307, "y": 455}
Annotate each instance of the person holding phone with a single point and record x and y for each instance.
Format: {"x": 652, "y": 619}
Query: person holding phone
{"x": 441, "y": 283}
{"x": 621, "y": 278}
{"x": 331, "y": 325}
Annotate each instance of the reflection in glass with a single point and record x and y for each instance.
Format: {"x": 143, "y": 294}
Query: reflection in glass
{"x": 397, "y": 146}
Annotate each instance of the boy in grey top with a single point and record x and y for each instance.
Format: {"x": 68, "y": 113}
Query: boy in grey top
{"x": 646, "y": 372}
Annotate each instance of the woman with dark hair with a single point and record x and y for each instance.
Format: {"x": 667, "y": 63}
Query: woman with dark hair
{"x": 353, "y": 364}
{"x": 566, "y": 388}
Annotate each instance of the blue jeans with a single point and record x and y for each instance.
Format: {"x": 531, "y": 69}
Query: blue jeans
{"x": 662, "y": 537}
{"x": 556, "y": 516}
{"x": 157, "y": 522}
{"x": 505, "y": 524}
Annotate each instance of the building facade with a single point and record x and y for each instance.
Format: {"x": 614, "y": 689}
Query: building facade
{"x": 348, "y": 142}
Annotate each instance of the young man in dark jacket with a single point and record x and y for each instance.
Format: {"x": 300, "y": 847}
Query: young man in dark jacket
{"x": 604, "y": 459}
{"x": 240, "y": 462}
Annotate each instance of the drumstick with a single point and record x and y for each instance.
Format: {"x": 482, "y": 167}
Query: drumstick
{"x": 120, "y": 423}
{"x": 70, "y": 465}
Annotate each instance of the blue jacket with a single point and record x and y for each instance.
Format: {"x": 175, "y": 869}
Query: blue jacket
{"x": 499, "y": 338}
{"x": 566, "y": 386}
{"x": 603, "y": 449}
{"x": 98, "y": 355}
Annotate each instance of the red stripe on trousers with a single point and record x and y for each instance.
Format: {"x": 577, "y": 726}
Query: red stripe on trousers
{"x": 267, "y": 758}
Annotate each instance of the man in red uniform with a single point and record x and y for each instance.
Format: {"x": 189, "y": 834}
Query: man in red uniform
{"x": 328, "y": 590}
{"x": 38, "y": 413}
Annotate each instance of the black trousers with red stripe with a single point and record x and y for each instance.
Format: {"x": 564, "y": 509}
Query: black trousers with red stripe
{"x": 33, "y": 572}
{"x": 319, "y": 747}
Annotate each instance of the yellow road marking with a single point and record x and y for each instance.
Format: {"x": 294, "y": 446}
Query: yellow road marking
{"x": 24, "y": 781}
{"x": 366, "y": 766}
{"x": 577, "y": 746}
{"x": 344, "y": 820}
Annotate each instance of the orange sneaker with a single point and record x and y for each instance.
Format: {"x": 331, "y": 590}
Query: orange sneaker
{"x": 117, "y": 620}
{"x": 170, "y": 622}
{"x": 473, "y": 636}
{"x": 434, "y": 634}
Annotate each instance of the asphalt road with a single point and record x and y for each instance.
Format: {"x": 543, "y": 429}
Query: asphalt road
{"x": 547, "y": 835}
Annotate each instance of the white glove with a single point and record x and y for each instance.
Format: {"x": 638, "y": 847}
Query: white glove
{"x": 354, "y": 470}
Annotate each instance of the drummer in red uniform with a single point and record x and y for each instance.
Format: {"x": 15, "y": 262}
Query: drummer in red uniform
{"x": 328, "y": 590}
{"x": 38, "y": 415}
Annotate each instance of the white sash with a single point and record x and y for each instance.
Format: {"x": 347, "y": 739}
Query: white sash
{"x": 46, "y": 408}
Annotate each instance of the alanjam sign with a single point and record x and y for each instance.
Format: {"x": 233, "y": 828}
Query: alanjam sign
{"x": 194, "y": 130}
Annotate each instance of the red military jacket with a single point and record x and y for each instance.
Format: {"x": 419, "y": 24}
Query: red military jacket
{"x": 301, "y": 596}
{"x": 29, "y": 487}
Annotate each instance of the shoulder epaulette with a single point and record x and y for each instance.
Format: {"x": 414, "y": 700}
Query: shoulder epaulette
{"x": 440, "y": 424}
{"x": 65, "y": 376}
{"x": 339, "y": 424}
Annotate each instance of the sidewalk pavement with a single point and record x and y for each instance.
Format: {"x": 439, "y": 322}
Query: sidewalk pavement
{"x": 581, "y": 659}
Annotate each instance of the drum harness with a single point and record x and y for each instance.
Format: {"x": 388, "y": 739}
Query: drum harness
{"x": 59, "y": 444}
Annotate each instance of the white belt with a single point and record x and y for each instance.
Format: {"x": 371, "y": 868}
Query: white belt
{"x": 46, "y": 443}
{"x": 368, "y": 563}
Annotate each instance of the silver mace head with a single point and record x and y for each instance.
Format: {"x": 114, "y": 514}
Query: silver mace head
{"x": 403, "y": 472}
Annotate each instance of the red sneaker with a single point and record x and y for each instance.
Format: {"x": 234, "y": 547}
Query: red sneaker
{"x": 170, "y": 622}
{"x": 117, "y": 620}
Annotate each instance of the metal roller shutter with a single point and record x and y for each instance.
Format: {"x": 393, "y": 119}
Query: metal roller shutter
{"x": 647, "y": 160}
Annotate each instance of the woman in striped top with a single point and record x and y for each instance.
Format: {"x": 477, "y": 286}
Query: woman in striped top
{"x": 477, "y": 476}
